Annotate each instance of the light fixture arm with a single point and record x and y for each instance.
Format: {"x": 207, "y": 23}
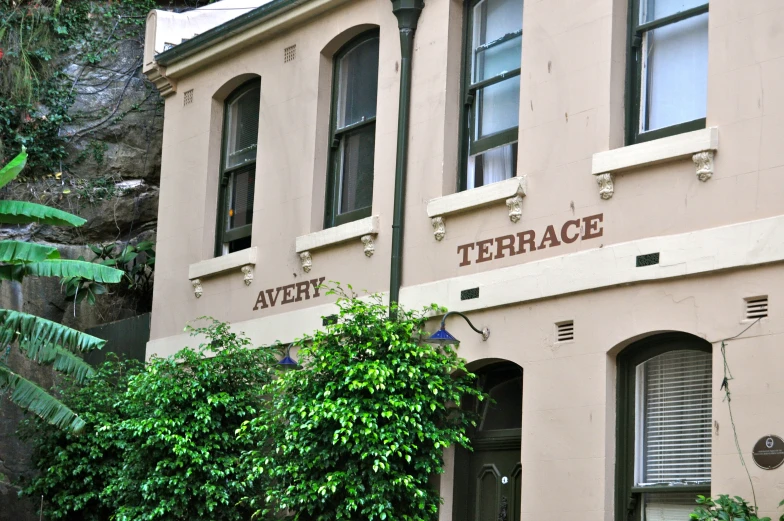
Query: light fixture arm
{"x": 485, "y": 332}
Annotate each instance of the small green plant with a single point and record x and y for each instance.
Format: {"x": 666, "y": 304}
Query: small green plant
{"x": 726, "y": 508}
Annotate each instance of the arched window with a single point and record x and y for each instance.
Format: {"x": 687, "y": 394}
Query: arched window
{"x": 238, "y": 169}
{"x": 353, "y": 131}
{"x": 664, "y": 427}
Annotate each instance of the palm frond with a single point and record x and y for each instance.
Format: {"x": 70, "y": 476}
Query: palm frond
{"x": 61, "y": 360}
{"x": 17, "y": 252}
{"x": 12, "y": 169}
{"x": 74, "y": 268}
{"x": 33, "y": 398}
{"x": 33, "y": 332}
{"x": 23, "y": 212}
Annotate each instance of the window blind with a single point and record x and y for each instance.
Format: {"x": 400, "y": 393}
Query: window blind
{"x": 676, "y": 418}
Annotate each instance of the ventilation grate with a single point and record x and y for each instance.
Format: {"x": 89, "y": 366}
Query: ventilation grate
{"x": 756, "y": 307}
{"x": 649, "y": 259}
{"x": 329, "y": 320}
{"x": 468, "y": 294}
{"x": 289, "y": 53}
{"x": 187, "y": 97}
{"x": 564, "y": 331}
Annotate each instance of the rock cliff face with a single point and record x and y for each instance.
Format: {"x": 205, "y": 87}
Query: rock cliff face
{"x": 110, "y": 177}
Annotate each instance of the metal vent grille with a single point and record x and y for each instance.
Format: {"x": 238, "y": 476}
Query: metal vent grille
{"x": 468, "y": 294}
{"x": 289, "y": 53}
{"x": 649, "y": 259}
{"x": 756, "y": 307}
{"x": 564, "y": 331}
{"x": 329, "y": 320}
{"x": 187, "y": 97}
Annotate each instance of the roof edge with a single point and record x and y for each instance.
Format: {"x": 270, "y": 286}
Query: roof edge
{"x": 226, "y": 30}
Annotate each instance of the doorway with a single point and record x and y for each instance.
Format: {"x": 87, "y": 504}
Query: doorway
{"x": 488, "y": 480}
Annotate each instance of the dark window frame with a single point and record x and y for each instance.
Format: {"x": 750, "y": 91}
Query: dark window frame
{"x": 334, "y": 174}
{"x": 468, "y": 96}
{"x": 634, "y": 73}
{"x": 222, "y": 235}
{"x": 627, "y": 496}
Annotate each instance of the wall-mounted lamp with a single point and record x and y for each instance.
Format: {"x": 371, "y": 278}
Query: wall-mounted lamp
{"x": 443, "y": 337}
{"x": 287, "y": 363}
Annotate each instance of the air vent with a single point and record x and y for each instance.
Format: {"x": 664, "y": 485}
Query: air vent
{"x": 468, "y": 294}
{"x": 756, "y": 307}
{"x": 564, "y": 331}
{"x": 649, "y": 259}
{"x": 289, "y": 53}
{"x": 329, "y": 320}
{"x": 187, "y": 97}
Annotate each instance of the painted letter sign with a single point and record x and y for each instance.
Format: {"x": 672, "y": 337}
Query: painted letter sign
{"x": 296, "y": 292}
{"x": 499, "y": 247}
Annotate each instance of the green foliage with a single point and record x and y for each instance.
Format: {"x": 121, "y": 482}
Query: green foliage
{"x": 74, "y": 469}
{"x": 159, "y": 443}
{"x": 726, "y": 508}
{"x": 359, "y": 432}
{"x": 42, "y": 340}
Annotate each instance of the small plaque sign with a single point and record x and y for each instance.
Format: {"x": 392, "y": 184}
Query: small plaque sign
{"x": 768, "y": 452}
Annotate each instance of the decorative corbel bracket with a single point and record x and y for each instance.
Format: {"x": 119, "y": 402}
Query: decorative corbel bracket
{"x": 606, "y": 187}
{"x": 197, "y": 289}
{"x": 248, "y": 272}
{"x": 515, "y": 205}
{"x": 306, "y": 260}
{"x": 370, "y": 246}
{"x": 704, "y": 162}
{"x": 439, "y": 227}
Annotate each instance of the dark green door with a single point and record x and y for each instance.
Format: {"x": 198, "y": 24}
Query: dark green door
{"x": 494, "y": 489}
{"x": 488, "y": 480}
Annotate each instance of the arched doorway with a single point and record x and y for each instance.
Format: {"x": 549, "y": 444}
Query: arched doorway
{"x": 488, "y": 480}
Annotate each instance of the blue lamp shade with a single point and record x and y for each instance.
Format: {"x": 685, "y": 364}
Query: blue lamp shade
{"x": 442, "y": 337}
{"x": 287, "y": 363}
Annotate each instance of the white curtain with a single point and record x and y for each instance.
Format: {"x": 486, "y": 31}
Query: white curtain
{"x": 496, "y": 165}
{"x": 675, "y": 81}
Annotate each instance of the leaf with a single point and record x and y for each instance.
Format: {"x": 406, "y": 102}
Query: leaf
{"x": 22, "y": 212}
{"x": 32, "y": 398}
{"x": 15, "y": 325}
{"x": 60, "y": 359}
{"x": 16, "y": 252}
{"x": 73, "y": 268}
{"x": 12, "y": 169}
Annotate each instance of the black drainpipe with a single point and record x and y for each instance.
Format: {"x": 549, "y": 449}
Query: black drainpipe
{"x": 407, "y": 13}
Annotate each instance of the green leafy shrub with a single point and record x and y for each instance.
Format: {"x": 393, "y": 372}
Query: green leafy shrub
{"x": 161, "y": 444}
{"x": 359, "y": 432}
{"x": 726, "y": 508}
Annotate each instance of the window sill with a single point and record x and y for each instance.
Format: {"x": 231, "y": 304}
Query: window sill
{"x": 700, "y": 145}
{"x": 364, "y": 229}
{"x": 243, "y": 261}
{"x": 512, "y": 190}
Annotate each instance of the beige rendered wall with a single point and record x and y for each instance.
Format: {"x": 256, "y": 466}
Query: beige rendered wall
{"x": 571, "y": 107}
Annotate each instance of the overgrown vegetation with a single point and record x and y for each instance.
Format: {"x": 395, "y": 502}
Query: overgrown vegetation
{"x": 41, "y": 340}
{"x": 358, "y": 433}
{"x": 159, "y": 442}
{"x": 35, "y": 93}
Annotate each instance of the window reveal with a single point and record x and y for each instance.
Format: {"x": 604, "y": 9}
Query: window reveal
{"x": 353, "y": 133}
{"x": 492, "y": 77}
{"x": 669, "y": 68}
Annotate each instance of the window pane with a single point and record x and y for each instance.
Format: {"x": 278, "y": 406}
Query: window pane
{"x": 356, "y": 183}
{"x": 674, "y": 418}
{"x": 358, "y": 83}
{"x": 242, "y": 129}
{"x": 675, "y": 73}
{"x": 668, "y": 506}
{"x": 651, "y": 10}
{"x": 239, "y": 244}
{"x": 242, "y": 188}
{"x": 497, "y": 108}
{"x": 493, "y": 20}
{"x": 492, "y": 166}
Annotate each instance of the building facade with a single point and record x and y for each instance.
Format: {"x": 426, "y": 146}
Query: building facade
{"x": 599, "y": 183}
